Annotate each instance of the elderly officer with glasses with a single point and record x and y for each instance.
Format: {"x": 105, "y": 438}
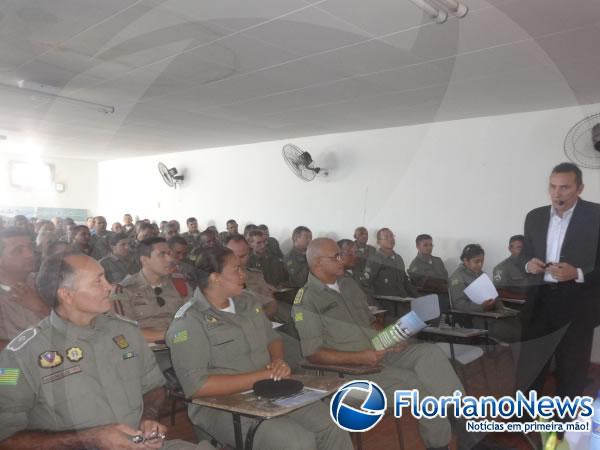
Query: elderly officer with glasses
{"x": 149, "y": 296}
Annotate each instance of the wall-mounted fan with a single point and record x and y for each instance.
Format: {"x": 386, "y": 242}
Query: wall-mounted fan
{"x": 170, "y": 176}
{"x": 582, "y": 144}
{"x": 301, "y": 163}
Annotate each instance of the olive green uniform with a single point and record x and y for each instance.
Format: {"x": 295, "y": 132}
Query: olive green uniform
{"x": 364, "y": 252}
{"x": 297, "y": 268}
{"x": 328, "y": 319}
{"x": 72, "y": 378}
{"x": 273, "y": 247}
{"x": 140, "y": 303}
{"x": 428, "y": 273}
{"x": 116, "y": 269}
{"x": 100, "y": 245}
{"x": 510, "y": 275}
{"x": 271, "y": 266}
{"x": 506, "y": 329}
{"x": 192, "y": 239}
{"x": 205, "y": 341}
{"x": 387, "y": 275}
{"x": 15, "y": 318}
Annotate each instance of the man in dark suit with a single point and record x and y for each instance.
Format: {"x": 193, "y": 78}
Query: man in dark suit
{"x": 562, "y": 250}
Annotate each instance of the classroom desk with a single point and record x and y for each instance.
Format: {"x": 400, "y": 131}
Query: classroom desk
{"x": 249, "y": 405}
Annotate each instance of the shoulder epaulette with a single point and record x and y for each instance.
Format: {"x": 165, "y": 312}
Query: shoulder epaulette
{"x": 298, "y": 297}
{"x": 181, "y": 311}
{"x": 253, "y": 269}
{"x": 22, "y": 339}
{"x": 123, "y": 318}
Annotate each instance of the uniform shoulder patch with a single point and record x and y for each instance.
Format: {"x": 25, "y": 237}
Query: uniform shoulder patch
{"x": 181, "y": 311}
{"x": 22, "y": 339}
{"x": 299, "y": 295}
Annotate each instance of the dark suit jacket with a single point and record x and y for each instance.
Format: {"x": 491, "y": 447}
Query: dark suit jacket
{"x": 581, "y": 248}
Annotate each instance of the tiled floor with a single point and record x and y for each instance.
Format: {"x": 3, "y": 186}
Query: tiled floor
{"x": 498, "y": 371}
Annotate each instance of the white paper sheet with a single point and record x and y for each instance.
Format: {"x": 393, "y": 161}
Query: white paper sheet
{"x": 481, "y": 289}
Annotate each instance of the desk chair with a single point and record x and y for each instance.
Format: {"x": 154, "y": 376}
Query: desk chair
{"x": 352, "y": 371}
{"x": 175, "y": 394}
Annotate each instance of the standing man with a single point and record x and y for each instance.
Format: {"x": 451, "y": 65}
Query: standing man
{"x": 562, "y": 250}
{"x": 128, "y": 226}
{"x": 509, "y": 276}
{"x": 295, "y": 261}
{"x": 81, "y": 238}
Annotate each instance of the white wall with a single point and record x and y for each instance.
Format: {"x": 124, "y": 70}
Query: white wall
{"x": 79, "y": 176}
{"x": 461, "y": 181}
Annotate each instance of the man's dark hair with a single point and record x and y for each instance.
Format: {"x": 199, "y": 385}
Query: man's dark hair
{"x": 211, "y": 260}
{"x": 471, "y": 251}
{"x": 236, "y": 238}
{"x": 190, "y": 220}
{"x": 567, "y": 167}
{"x": 54, "y": 274}
{"x": 423, "y": 237}
{"x": 516, "y": 237}
{"x": 298, "y": 231}
{"x": 380, "y": 231}
{"x": 344, "y": 243}
{"x": 115, "y": 238}
{"x": 12, "y": 232}
{"x": 78, "y": 228}
{"x": 176, "y": 240}
{"x": 263, "y": 227}
{"x": 256, "y": 233}
{"x": 146, "y": 246}
{"x": 230, "y": 221}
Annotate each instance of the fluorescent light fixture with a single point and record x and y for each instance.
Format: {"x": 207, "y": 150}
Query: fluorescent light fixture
{"x": 439, "y": 15}
{"x": 51, "y": 92}
{"x": 454, "y": 7}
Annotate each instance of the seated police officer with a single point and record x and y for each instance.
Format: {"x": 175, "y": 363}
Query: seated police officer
{"x": 295, "y": 260}
{"x": 262, "y": 259}
{"x": 120, "y": 262}
{"x": 149, "y": 296}
{"x": 335, "y": 328}
{"x": 510, "y": 277}
{"x": 385, "y": 271}
{"x": 221, "y": 343}
{"x": 82, "y": 378}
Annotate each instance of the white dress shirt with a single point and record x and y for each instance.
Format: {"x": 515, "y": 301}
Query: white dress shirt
{"x": 557, "y": 229}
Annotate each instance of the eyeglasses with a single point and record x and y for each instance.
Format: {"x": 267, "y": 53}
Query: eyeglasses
{"x": 161, "y": 301}
{"x": 337, "y": 257}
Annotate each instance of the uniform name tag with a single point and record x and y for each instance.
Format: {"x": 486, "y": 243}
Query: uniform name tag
{"x": 60, "y": 375}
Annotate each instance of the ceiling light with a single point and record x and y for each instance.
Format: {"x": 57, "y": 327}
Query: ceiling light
{"x": 51, "y": 92}
{"x": 439, "y": 15}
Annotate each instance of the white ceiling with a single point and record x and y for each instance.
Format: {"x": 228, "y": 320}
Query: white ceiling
{"x": 189, "y": 74}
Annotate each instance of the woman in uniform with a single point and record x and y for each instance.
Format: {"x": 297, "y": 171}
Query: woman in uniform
{"x": 222, "y": 343}
{"x": 473, "y": 257}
